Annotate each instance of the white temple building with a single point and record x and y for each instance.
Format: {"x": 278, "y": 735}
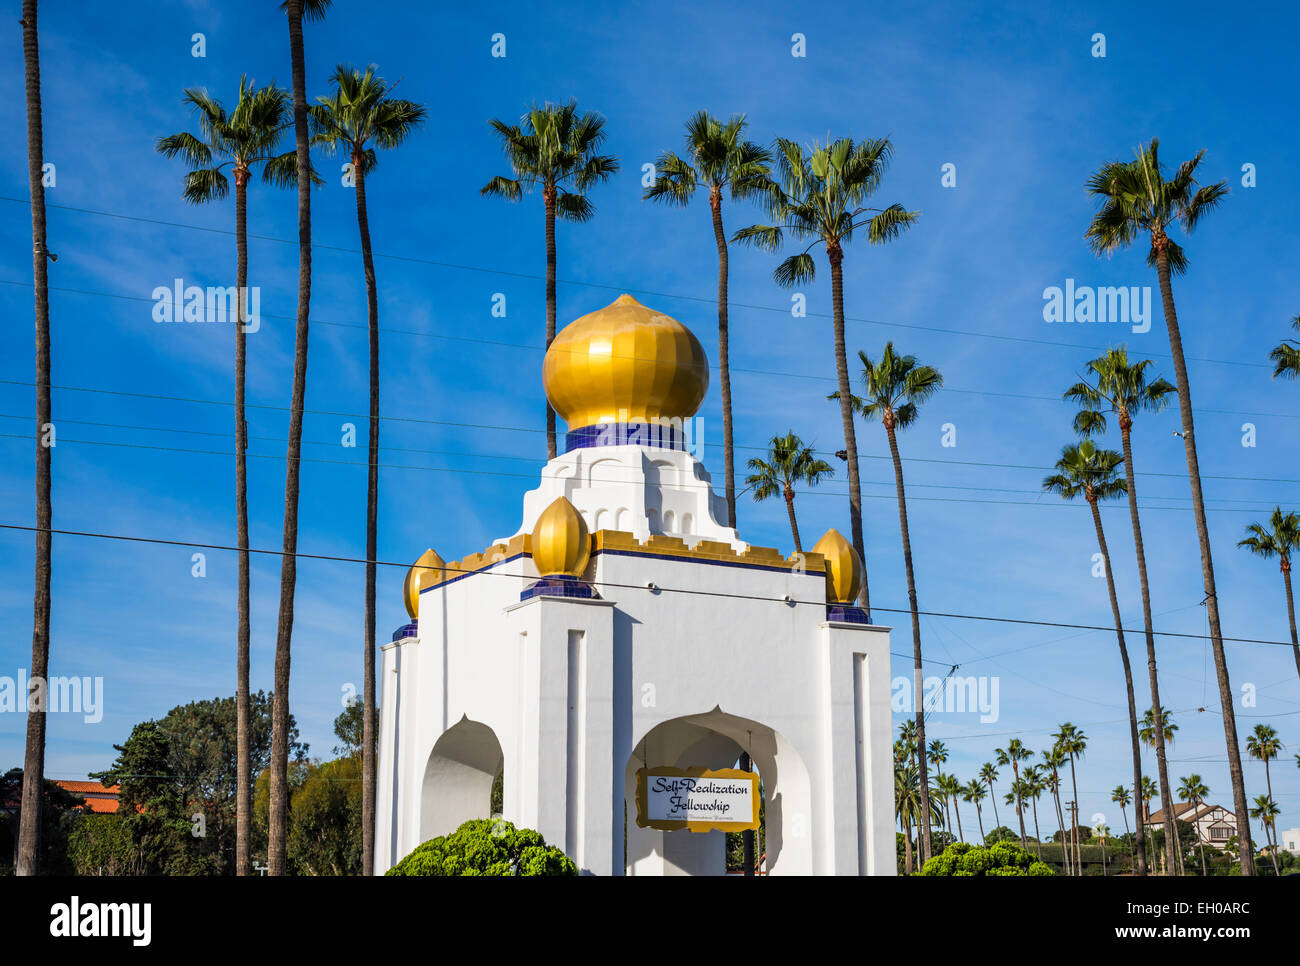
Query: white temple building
{"x": 626, "y": 628}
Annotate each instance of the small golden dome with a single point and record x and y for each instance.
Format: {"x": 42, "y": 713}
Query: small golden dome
{"x": 843, "y": 568}
{"x": 561, "y": 542}
{"x": 625, "y": 362}
{"x": 424, "y": 572}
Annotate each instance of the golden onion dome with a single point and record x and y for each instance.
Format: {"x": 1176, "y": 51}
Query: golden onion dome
{"x": 561, "y": 542}
{"x": 424, "y": 572}
{"x": 625, "y": 362}
{"x": 843, "y": 567}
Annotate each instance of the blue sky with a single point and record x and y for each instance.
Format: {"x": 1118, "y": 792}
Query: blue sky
{"x": 1009, "y": 94}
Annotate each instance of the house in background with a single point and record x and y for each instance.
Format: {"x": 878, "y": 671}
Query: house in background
{"x": 99, "y": 800}
{"x": 1289, "y": 840}
{"x": 1214, "y": 824}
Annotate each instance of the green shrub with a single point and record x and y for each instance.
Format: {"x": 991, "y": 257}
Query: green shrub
{"x": 486, "y": 847}
{"x": 1001, "y": 858}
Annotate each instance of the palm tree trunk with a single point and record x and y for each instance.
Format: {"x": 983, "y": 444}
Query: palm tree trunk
{"x": 1290, "y": 609}
{"x": 907, "y": 846}
{"x": 372, "y": 537}
{"x": 29, "y": 831}
{"x": 979, "y": 816}
{"x": 1240, "y": 805}
{"x": 1162, "y": 767}
{"x": 836, "y": 257}
{"x": 794, "y": 524}
{"x": 1128, "y": 670}
{"x": 916, "y": 626}
{"x": 243, "y": 765}
{"x": 548, "y": 199}
{"x": 1200, "y": 843}
{"x": 997, "y": 822}
{"x": 956, "y": 807}
{"x": 279, "y": 780}
{"x": 724, "y": 366}
{"x": 1060, "y": 824}
{"x": 1020, "y": 817}
{"x": 1038, "y": 838}
{"x": 1074, "y": 806}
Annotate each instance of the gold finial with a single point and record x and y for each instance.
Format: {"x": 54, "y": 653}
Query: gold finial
{"x": 425, "y": 571}
{"x": 843, "y": 568}
{"x": 561, "y": 542}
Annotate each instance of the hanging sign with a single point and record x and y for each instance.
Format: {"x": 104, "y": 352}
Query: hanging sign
{"x": 698, "y": 799}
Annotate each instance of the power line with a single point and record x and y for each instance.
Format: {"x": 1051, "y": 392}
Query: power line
{"x": 497, "y": 343}
{"x": 689, "y": 591}
{"x": 462, "y": 471}
{"x": 598, "y": 285}
{"x": 526, "y": 429}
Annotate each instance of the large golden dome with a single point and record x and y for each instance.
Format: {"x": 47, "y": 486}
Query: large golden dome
{"x": 625, "y": 362}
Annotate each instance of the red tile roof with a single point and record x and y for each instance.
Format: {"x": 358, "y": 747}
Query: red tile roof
{"x": 100, "y": 800}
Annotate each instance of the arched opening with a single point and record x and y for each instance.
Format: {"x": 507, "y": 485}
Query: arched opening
{"x": 458, "y": 778}
{"x": 715, "y": 740}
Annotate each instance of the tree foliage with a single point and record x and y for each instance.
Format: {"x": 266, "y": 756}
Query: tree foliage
{"x": 1002, "y": 858}
{"x": 486, "y": 847}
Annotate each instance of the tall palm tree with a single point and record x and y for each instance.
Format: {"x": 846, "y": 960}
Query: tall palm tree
{"x": 278, "y": 790}
{"x": 1266, "y": 811}
{"x": 718, "y": 157}
{"x": 820, "y": 196}
{"x": 1083, "y": 470}
{"x": 1149, "y": 735}
{"x": 937, "y": 753}
{"x": 362, "y": 112}
{"x": 1149, "y": 791}
{"x": 974, "y": 791}
{"x": 1073, "y": 742}
{"x": 952, "y": 790}
{"x": 988, "y": 775}
{"x": 907, "y": 806}
{"x": 1053, "y": 759}
{"x": 1264, "y": 745}
{"x": 1013, "y": 754}
{"x": 1124, "y": 389}
{"x": 789, "y": 462}
{"x": 1035, "y": 785}
{"x": 556, "y": 149}
{"x": 27, "y": 859}
{"x": 1286, "y": 357}
{"x": 1194, "y": 790}
{"x": 1122, "y": 797}
{"x": 892, "y": 390}
{"x": 242, "y": 139}
{"x": 1281, "y": 538}
{"x": 1135, "y": 201}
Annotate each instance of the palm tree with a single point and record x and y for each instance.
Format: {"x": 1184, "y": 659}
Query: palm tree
{"x": 788, "y": 463}
{"x": 1122, "y": 797}
{"x": 1286, "y": 357}
{"x": 937, "y": 753}
{"x": 1083, "y": 470}
{"x": 1264, "y": 745}
{"x": 1073, "y": 742}
{"x": 1123, "y": 389}
{"x": 1035, "y": 785}
{"x": 246, "y": 137}
{"x": 1053, "y": 759}
{"x": 1149, "y": 791}
{"x": 1136, "y": 199}
{"x": 28, "y": 852}
{"x": 553, "y": 148}
{"x": 906, "y": 806}
{"x": 719, "y": 157}
{"x": 974, "y": 791}
{"x": 1266, "y": 811}
{"x": 952, "y": 790}
{"x": 1013, "y": 754}
{"x": 278, "y": 790}
{"x": 1281, "y": 539}
{"x": 361, "y": 112}
{"x": 1195, "y": 790}
{"x": 820, "y": 196}
{"x": 893, "y": 388}
{"x": 988, "y": 775}
{"x": 1149, "y": 735}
